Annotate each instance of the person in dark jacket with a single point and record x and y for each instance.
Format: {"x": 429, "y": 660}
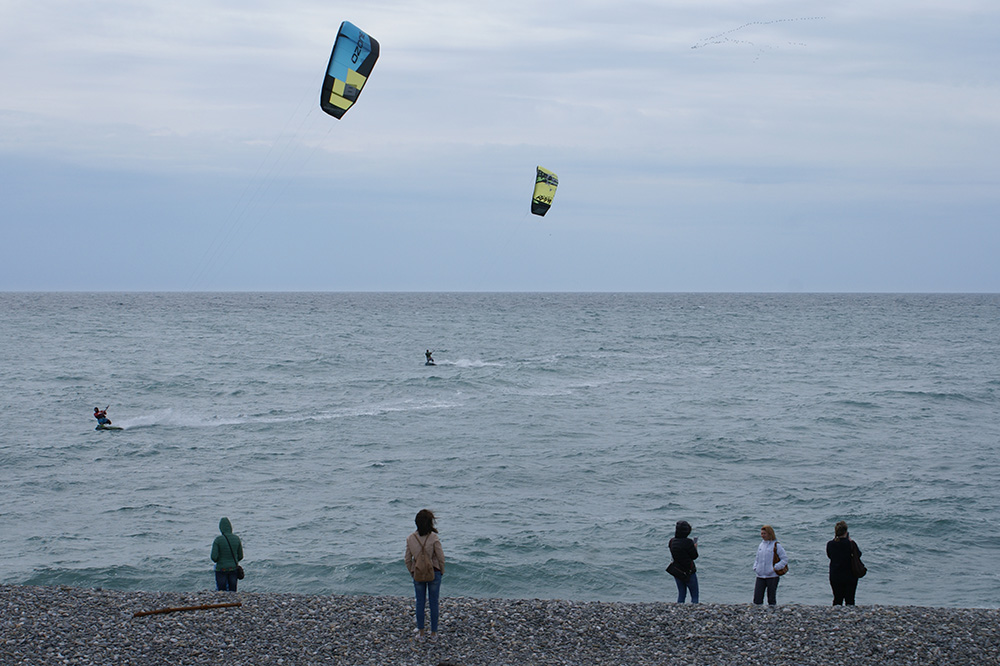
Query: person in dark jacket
{"x": 227, "y": 551}
{"x": 842, "y": 578}
{"x": 684, "y": 551}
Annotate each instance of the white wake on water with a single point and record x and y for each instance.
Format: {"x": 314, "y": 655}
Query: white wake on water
{"x": 169, "y": 417}
{"x": 470, "y": 363}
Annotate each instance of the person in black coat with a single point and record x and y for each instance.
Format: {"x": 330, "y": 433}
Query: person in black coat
{"x": 684, "y": 552}
{"x": 842, "y": 578}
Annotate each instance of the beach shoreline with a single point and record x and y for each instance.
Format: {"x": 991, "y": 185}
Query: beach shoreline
{"x": 62, "y": 625}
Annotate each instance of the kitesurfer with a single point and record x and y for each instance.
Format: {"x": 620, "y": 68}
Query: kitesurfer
{"x": 430, "y": 361}
{"x": 102, "y": 416}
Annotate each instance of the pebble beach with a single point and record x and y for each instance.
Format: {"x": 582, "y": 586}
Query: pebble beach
{"x": 59, "y": 625}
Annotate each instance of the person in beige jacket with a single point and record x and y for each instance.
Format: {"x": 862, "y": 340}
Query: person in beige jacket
{"x": 425, "y": 539}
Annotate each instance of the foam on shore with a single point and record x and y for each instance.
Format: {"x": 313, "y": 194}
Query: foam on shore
{"x": 56, "y": 625}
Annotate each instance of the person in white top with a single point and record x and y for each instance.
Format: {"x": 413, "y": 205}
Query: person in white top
{"x": 766, "y": 566}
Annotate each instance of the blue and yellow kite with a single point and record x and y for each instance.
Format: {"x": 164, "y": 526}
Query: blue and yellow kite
{"x": 354, "y": 54}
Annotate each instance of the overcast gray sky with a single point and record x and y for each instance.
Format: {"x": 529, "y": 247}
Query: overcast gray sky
{"x": 701, "y": 145}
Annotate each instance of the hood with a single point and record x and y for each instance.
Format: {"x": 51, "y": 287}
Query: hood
{"x": 225, "y": 526}
{"x": 683, "y": 529}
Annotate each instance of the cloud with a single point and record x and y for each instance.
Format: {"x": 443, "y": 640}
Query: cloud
{"x": 874, "y": 112}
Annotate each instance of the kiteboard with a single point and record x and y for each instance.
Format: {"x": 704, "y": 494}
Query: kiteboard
{"x": 101, "y": 426}
{"x": 430, "y": 363}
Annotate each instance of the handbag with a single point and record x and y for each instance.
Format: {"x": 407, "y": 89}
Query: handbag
{"x": 675, "y": 570}
{"x": 783, "y": 570}
{"x": 239, "y": 569}
{"x": 858, "y": 567}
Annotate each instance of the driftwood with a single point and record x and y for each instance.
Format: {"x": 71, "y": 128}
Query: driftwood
{"x": 185, "y": 608}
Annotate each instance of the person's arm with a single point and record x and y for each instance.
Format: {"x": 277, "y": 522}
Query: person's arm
{"x": 408, "y": 557}
{"x": 439, "y": 554}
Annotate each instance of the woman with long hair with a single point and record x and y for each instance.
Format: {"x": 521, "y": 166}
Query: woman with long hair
{"x": 425, "y": 541}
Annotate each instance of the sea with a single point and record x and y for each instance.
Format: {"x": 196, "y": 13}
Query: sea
{"x": 558, "y": 439}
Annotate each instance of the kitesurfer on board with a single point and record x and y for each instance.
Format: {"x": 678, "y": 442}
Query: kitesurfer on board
{"x": 102, "y": 416}
{"x": 430, "y": 361}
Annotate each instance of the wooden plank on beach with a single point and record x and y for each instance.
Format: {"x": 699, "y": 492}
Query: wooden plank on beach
{"x": 186, "y": 608}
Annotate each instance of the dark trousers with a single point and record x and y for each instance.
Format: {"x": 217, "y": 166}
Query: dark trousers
{"x": 844, "y": 590}
{"x": 225, "y": 581}
{"x": 769, "y": 584}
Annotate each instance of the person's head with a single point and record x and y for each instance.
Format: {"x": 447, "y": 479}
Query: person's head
{"x": 96, "y": 409}
{"x": 225, "y": 526}
{"x": 425, "y": 522}
{"x": 840, "y": 529}
{"x": 682, "y": 529}
{"x": 767, "y": 533}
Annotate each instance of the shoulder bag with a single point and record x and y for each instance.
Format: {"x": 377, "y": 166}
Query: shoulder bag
{"x": 675, "y": 570}
{"x": 782, "y": 571}
{"x": 239, "y": 569}
{"x": 858, "y": 567}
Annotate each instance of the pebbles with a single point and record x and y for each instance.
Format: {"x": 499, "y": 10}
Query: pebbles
{"x": 50, "y": 625}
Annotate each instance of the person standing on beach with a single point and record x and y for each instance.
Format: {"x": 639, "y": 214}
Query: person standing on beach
{"x": 765, "y": 564}
{"x": 424, "y": 542}
{"x": 227, "y": 551}
{"x": 842, "y": 578}
{"x": 684, "y": 551}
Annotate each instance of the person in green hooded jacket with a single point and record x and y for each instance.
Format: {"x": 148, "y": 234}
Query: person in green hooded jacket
{"x": 227, "y": 551}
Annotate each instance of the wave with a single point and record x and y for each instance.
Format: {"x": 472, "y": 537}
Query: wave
{"x": 934, "y": 395}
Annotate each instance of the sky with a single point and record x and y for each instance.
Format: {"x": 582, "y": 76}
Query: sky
{"x": 700, "y": 145}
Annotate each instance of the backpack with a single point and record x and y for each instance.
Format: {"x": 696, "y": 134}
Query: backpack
{"x": 423, "y": 570}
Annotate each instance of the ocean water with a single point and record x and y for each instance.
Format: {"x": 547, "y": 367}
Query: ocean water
{"x": 558, "y": 440}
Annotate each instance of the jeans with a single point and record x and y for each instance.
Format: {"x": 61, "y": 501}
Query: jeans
{"x": 225, "y": 580}
{"x": 771, "y": 585}
{"x": 682, "y": 588}
{"x": 423, "y": 591}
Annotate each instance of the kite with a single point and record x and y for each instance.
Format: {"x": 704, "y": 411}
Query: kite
{"x": 545, "y": 189}
{"x": 354, "y": 54}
